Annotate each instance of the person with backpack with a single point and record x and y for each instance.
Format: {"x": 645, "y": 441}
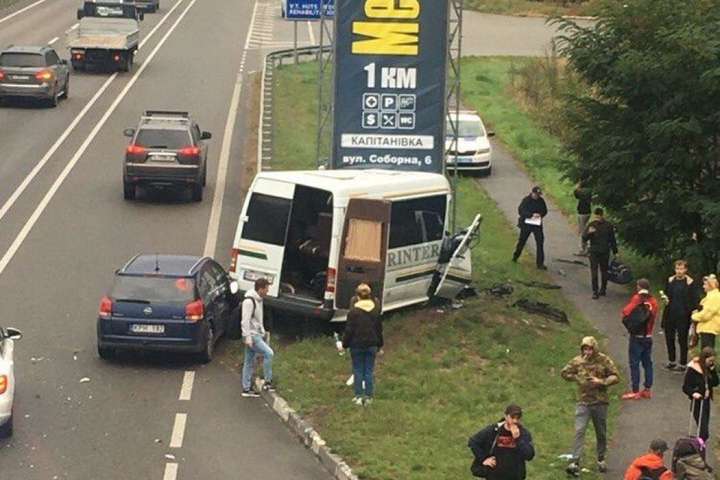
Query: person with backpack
{"x": 254, "y": 336}
{"x": 639, "y": 319}
{"x": 601, "y": 235}
{"x": 584, "y": 205}
{"x": 532, "y": 211}
{"x": 688, "y": 461}
{"x": 707, "y": 318}
{"x": 594, "y": 372}
{"x": 501, "y": 449}
{"x": 700, "y": 379}
{"x": 679, "y": 296}
{"x": 650, "y": 466}
{"x": 364, "y": 337}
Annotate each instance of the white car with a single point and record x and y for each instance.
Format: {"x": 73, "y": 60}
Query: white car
{"x": 474, "y": 152}
{"x": 8, "y": 336}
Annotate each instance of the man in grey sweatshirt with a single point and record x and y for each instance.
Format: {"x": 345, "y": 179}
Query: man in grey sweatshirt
{"x": 253, "y": 331}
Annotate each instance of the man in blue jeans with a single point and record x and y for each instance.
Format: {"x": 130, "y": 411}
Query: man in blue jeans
{"x": 640, "y": 347}
{"x": 253, "y": 331}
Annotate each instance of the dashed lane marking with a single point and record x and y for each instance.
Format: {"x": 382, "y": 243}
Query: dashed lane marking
{"x": 171, "y": 471}
{"x": 178, "y": 432}
{"x": 187, "y": 386}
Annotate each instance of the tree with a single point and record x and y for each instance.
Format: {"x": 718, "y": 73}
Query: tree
{"x": 646, "y": 138}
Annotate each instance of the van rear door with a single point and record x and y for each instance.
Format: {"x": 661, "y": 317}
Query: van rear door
{"x": 363, "y": 249}
{"x": 454, "y": 270}
{"x": 259, "y": 250}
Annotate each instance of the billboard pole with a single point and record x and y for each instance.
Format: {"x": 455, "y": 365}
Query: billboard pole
{"x": 454, "y": 53}
{"x": 325, "y": 74}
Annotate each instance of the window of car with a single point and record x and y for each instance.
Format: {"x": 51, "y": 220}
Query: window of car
{"x": 267, "y": 219}
{"x": 153, "y": 289}
{"x": 218, "y": 274}
{"x": 52, "y": 57}
{"x": 415, "y": 221}
{"x": 160, "y": 138}
{"x": 466, "y": 128}
{"x": 17, "y": 59}
{"x": 208, "y": 283}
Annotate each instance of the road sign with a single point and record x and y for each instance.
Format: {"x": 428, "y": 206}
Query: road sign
{"x": 307, "y": 9}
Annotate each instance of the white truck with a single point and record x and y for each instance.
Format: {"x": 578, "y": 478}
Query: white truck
{"x": 107, "y": 37}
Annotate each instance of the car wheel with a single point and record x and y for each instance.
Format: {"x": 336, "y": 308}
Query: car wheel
{"x": 197, "y": 192}
{"x": 207, "y": 352}
{"x": 53, "y": 100}
{"x": 66, "y": 91}
{"x": 6, "y": 430}
{"x": 488, "y": 172}
{"x": 129, "y": 191}
{"x": 106, "y": 353}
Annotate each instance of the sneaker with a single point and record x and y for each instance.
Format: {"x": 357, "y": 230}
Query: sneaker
{"x": 357, "y": 400}
{"x": 573, "y": 470}
{"x": 250, "y": 393}
{"x": 595, "y": 296}
{"x": 631, "y": 396}
{"x": 681, "y": 368}
{"x": 268, "y": 387}
{"x": 603, "y": 293}
{"x": 646, "y": 394}
{"x": 671, "y": 365}
{"x": 368, "y": 401}
{"x": 602, "y": 466}
{"x": 542, "y": 267}
{"x": 514, "y": 259}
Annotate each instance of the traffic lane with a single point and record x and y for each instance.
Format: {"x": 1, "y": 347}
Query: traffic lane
{"x": 39, "y": 24}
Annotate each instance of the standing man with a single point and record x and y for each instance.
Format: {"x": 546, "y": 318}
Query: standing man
{"x": 681, "y": 299}
{"x": 501, "y": 449}
{"x": 601, "y": 235}
{"x": 594, "y": 372}
{"x": 254, "y": 336}
{"x": 650, "y": 465}
{"x": 642, "y": 310}
{"x": 584, "y": 198}
{"x": 532, "y": 210}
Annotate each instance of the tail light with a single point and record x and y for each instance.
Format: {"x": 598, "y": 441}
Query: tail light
{"x": 2, "y": 75}
{"x": 4, "y": 382}
{"x": 136, "y": 150}
{"x": 78, "y": 56}
{"x": 116, "y": 58}
{"x": 44, "y": 75}
{"x": 105, "y": 308}
{"x": 194, "y": 311}
{"x": 190, "y": 151}
{"x": 233, "y": 259}
{"x": 331, "y": 280}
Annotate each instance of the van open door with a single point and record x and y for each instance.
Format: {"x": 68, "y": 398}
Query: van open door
{"x": 454, "y": 271}
{"x": 363, "y": 250}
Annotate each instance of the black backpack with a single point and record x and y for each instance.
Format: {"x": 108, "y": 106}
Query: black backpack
{"x": 619, "y": 273}
{"x": 636, "y": 322}
{"x": 652, "y": 474}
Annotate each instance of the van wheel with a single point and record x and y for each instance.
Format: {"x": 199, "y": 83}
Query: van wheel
{"x": 106, "y": 353}
{"x": 207, "y": 352}
{"x": 197, "y": 192}
{"x": 6, "y": 430}
{"x": 129, "y": 191}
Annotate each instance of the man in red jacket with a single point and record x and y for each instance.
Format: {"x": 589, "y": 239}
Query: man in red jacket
{"x": 650, "y": 465}
{"x": 640, "y": 349}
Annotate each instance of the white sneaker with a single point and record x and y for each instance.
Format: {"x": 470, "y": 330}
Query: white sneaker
{"x": 357, "y": 400}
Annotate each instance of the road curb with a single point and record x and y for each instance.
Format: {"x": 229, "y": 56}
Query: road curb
{"x": 307, "y": 434}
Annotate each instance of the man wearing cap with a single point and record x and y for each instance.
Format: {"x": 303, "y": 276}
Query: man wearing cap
{"x": 501, "y": 449}
{"x": 650, "y": 465}
{"x": 532, "y": 210}
{"x": 594, "y": 372}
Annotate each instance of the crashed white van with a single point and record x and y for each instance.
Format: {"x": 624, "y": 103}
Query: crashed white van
{"x": 315, "y": 235}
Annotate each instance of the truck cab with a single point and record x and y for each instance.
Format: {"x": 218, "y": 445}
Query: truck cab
{"x": 109, "y": 9}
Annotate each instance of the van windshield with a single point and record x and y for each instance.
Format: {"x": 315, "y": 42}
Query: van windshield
{"x": 267, "y": 219}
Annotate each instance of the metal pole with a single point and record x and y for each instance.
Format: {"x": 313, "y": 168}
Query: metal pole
{"x": 318, "y": 140}
{"x": 295, "y": 41}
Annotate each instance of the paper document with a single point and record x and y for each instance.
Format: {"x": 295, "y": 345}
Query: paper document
{"x": 537, "y": 221}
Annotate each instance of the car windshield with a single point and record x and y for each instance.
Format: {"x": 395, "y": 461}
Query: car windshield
{"x": 153, "y": 289}
{"x": 157, "y": 138}
{"x": 467, "y": 128}
{"x": 22, "y": 60}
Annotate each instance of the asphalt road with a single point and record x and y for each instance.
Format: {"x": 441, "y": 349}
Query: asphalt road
{"x": 64, "y": 228}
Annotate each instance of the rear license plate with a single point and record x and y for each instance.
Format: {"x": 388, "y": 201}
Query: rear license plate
{"x": 162, "y": 158}
{"x": 155, "y": 329}
{"x": 20, "y": 77}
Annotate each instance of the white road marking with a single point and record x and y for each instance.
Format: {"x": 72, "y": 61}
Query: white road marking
{"x": 187, "y": 386}
{"x": 219, "y": 194}
{"x": 311, "y": 33}
{"x": 17, "y": 243}
{"x": 171, "y": 471}
{"x": 39, "y": 166}
{"x": 53, "y": 40}
{"x": 22, "y": 10}
{"x": 72, "y": 28}
{"x": 178, "y": 433}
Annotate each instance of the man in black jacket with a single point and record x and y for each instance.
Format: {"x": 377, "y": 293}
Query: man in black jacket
{"x": 501, "y": 449}
{"x": 601, "y": 235}
{"x": 532, "y": 210}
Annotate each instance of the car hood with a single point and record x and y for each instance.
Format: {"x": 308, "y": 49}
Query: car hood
{"x": 467, "y": 144}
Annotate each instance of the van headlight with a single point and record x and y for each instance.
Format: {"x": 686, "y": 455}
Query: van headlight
{"x": 252, "y": 276}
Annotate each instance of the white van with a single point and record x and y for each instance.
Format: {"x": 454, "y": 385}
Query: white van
{"x": 315, "y": 235}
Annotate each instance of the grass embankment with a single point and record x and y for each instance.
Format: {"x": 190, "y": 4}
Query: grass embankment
{"x": 444, "y": 375}
{"x": 535, "y": 7}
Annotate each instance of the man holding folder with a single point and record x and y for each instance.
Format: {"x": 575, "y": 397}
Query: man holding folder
{"x": 532, "y": 210}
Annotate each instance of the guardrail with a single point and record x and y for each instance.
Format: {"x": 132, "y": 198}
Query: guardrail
{"x": 267, "y": 123}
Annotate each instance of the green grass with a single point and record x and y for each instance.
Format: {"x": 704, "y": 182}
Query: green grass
{"x": 444, "y": 375}
{"x": 534, "y": 8}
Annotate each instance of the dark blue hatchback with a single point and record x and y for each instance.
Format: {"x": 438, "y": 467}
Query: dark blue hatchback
{"x": 167, "y": 303}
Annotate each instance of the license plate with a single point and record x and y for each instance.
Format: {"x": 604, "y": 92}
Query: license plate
{"x": 162, "y": 158}
{"x": 20, "y": 77}
{"x": 155, "y": 329}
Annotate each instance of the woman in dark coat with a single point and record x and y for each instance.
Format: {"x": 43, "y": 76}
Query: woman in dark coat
{"x": 700, "y": 379}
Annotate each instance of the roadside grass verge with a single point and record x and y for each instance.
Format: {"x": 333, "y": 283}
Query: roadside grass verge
{"x": 444, "y": 375}
{"x": 535, "y": 7}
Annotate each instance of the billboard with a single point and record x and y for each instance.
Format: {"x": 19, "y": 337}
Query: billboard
{"x": 307, "y": 9}
{"x": 390, "y": 68}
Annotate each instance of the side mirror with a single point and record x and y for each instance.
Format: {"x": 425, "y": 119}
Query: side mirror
{"x": 205, "y": 136}
{"x": 63, "y": 61}
{"x": 80, "y": 13}
{"x": 129, "y": 132}
{"x": 13, "y": 333}
{"x": 234, "y": 287}
{"x": 490, "y": 133}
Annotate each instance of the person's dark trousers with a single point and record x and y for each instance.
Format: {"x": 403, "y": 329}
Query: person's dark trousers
{"x": 640, "y": 352}
{"x": 537, "y": 232}
{"x": 599, "y": 262}
{"x": 702, "y": 406}
{"x": 363, "y": 362}
{"x": 707, "y": 340}
{"x": 681, "y": 330}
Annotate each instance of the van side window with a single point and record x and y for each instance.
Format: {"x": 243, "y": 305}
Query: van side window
{"x": 419, "y": 220}
{"x": 267, "y": 219}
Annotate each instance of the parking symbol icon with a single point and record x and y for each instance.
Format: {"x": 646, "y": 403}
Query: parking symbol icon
{"x": 388, "y": 120}
{"x": 406, "y": 103}
{"x": 370, "y": 120}
{"x": 371, "y": 101}
{"x": 406, "y": 121}
{"x": 389, "y": 102}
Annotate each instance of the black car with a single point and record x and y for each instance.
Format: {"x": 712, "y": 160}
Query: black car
{"x": 167, "y": 149}
{"x": 171, "y": 303}
{"x": 33, "y": 72}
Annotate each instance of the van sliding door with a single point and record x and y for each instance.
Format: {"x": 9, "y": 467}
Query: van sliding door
{"x": 363, "y": 249}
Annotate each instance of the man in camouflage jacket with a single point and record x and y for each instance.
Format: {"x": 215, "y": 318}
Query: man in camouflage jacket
{"x": 594, "y": 372}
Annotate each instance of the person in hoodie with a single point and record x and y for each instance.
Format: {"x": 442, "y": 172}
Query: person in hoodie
{"x": 700, "y": 379}
{"x": 501, "y": 449}
{"x": 650, "y": 465}
{"x": 707, "y": 318}
{"x": 254, "y": 336}
{"x": 640, "y": 346}
{"x": 531, "y": 212}
{"x": 594, "y": 372}
{"x": 364, "y": 337}
{"x": 680, "y": 301}
{"x": 601, "y": 235}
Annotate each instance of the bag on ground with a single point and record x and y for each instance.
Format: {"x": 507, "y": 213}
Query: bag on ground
{"x": 636, "y": 322}
{"x": 688, "y": 460}
{"x": 619, "y": 273}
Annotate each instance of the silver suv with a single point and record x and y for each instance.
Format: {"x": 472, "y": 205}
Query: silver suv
{"x": 35, "y": 72}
